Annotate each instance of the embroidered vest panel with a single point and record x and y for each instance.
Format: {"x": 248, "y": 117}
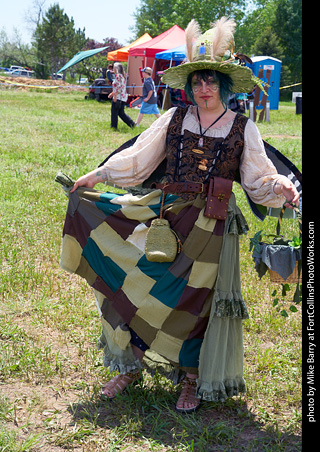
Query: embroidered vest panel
{"x": 187, "y": 161}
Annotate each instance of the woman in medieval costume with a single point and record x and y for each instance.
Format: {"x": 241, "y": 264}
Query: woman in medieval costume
{"x": 183, "y": 317}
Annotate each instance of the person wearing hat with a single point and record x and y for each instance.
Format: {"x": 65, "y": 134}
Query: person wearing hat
{"x": 149, "y": 104}
{"x": 184, "y": 317}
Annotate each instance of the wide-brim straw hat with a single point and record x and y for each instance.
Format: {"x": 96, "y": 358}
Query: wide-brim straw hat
{"x": 212, "y": 50}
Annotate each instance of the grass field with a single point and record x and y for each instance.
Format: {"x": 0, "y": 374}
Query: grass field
{"x": 50, "y": 370}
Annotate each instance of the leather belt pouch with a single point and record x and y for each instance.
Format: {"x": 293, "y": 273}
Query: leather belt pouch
{"x": 218, "y": 196}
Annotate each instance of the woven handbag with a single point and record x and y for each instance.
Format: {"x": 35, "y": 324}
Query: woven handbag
{"x": 162, "y": 243}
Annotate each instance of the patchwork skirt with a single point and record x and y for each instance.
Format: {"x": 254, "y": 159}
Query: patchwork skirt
{"x": 187, "y": 312}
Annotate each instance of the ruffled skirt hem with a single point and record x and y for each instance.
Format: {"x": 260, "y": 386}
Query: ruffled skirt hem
{"x": 123, "y": 365}
{"x": 211, "y": 392}
{"x": 220, "y": 391}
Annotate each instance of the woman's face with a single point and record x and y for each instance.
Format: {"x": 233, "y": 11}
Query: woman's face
{"x": 205, "y": 92}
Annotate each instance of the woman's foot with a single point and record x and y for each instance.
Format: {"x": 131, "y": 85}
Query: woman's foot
{"x": 188, "y": 400}
{"x": 119, "y": 383}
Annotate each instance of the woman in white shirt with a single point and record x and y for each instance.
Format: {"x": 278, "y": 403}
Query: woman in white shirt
{"x": 184, "y": 316}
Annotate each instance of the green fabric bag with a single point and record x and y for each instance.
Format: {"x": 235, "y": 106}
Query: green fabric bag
{"x": 162, "y": 243}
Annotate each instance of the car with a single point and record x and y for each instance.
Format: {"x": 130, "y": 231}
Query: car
{"x": 83, "y": 81}
{"x": 21, "y": 73}
{"x": 16, "y": 68}
{"x": 56, "y": 76}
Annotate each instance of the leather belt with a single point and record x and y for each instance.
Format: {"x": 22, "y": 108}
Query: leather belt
{"x": 181, "y": 187}
{"x": 218, "y": 193}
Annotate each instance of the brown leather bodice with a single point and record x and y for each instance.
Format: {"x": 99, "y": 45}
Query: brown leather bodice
{"x": 187, "y": 161}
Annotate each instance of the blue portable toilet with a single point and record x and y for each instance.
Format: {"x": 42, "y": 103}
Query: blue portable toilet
{"x": 266, "y": 62}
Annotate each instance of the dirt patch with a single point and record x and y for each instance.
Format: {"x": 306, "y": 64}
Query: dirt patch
{"x": 39, "y": 409}
{"x": 281, "y": 136}
{"x": 24, "y": 83}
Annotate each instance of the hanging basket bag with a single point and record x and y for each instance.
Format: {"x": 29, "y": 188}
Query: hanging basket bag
{"x": 282, "y": 260}
{"x": 294, "y": 278}
{"x": 296, "y": 275}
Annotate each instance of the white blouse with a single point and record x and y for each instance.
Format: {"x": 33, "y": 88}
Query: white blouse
{"x": 133, "y": 165}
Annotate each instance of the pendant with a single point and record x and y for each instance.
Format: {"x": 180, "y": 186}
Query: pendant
{"x": 197, "y": 151}
{"x": 200, "y": 142}
{"x": 203, "y": 165}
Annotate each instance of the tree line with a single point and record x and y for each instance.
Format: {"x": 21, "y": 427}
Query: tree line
{"x": 264, "y": 27}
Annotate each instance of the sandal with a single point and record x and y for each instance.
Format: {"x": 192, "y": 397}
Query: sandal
{"x": 188, "y": 396}
{"x": 118, "y": 384}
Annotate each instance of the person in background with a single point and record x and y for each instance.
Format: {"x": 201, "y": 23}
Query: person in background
{"x": 119, "y": 97}
{"x": 176, "y": 98}
{"x": 110, "y": 74}
{"x": 149, "y": 104}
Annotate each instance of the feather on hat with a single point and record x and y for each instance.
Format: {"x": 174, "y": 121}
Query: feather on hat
{"x": 213, "y": 50}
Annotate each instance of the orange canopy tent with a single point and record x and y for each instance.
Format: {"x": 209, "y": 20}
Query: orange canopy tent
{"x": 123, "y": 53}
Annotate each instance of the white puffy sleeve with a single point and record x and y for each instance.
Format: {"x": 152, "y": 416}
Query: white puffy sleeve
{"x": 134, "y": 165}
{"x": 258, "y": 174}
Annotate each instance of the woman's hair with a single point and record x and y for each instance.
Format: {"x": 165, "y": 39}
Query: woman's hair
{"x": 224, "y": 82}
{"x": 119, "y": 68}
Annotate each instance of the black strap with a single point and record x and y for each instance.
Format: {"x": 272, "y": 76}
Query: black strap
{"x": 214, "y": 122}
{"x": 281, "y": 217}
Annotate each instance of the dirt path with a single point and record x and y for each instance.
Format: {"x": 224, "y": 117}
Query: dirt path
{"x": 281, "y": 136}
{"x": 25, "y": 83}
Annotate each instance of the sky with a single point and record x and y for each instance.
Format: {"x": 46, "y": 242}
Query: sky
{"x": 100, "y": 18}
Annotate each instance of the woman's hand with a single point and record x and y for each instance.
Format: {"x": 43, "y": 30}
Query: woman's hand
{"x": 90, "y": 180}
{"x": 113, "y": 95}
{"x": 285, "y": 187}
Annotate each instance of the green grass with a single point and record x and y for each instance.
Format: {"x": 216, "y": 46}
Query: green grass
{"x": 50, "y": 370}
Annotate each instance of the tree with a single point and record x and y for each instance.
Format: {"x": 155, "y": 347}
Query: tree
{"x": 14, "y": 52}
{"x": 258, "y": 18}
{"x": 97, "y": 64}
{"x": 289, "y": 29}
{"x": 34, "y": 14}
{"x": 56, "y": 39}
{"x": 268, "y": 44}
{"x": 156, "y": 16}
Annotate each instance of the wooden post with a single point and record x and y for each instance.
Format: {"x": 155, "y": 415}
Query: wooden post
{"x": 257, "y": 96}
{"x": 264, "y": 97}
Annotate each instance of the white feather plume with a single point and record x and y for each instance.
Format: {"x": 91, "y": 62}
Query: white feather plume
{"x": 222, "y": 36}
{"x": 192, "y": 33}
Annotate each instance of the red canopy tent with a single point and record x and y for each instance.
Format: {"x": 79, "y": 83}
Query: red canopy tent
{"x": 173, "y": 37}
{"x": 144, "y": 55}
